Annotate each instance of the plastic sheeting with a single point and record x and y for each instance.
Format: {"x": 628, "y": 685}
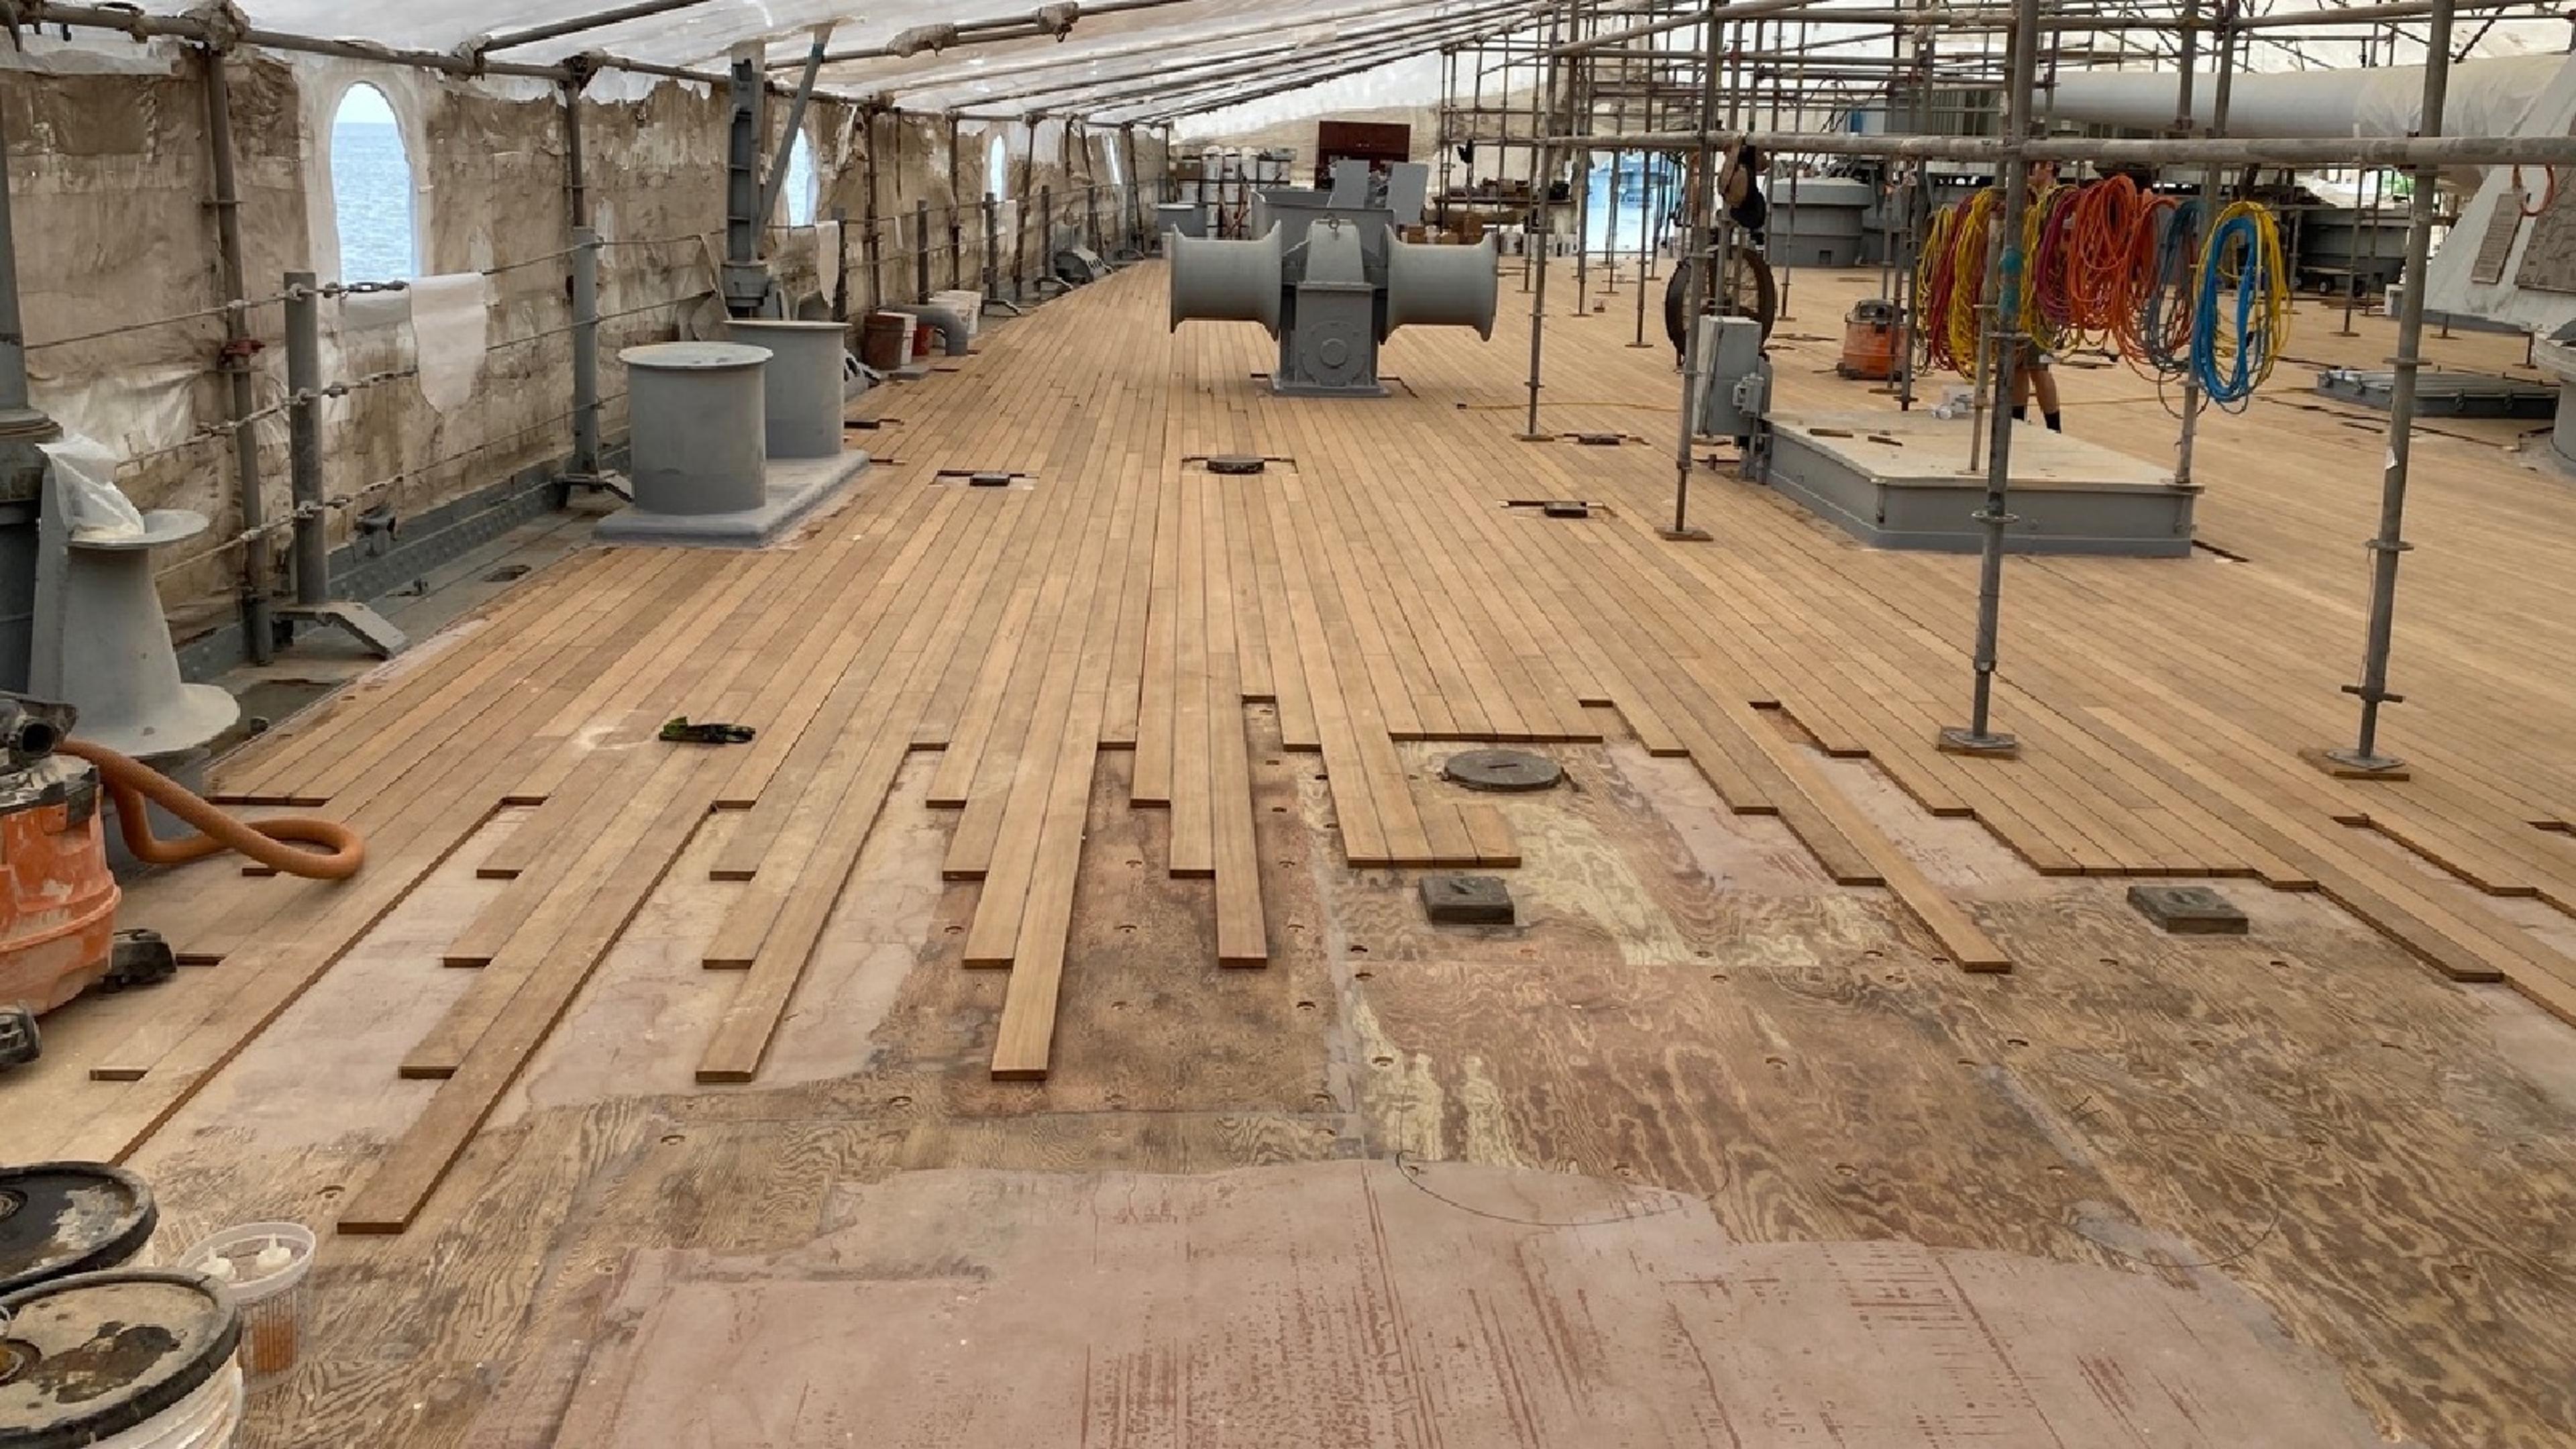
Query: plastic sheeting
{"x": 2452, "y": 283}
{"x": 2486, "y": 98}
{"x": 1182, "y": 36}
{"x": 448, "y": 326}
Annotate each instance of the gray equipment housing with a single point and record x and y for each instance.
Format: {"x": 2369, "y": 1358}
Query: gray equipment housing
{"x": 101, "y": 644}
{"x": 1735, "y": 378}
{"x": 1331, "y": 283}
{"x": 1901, "y": 480}
{"x": 1820, "y": 221}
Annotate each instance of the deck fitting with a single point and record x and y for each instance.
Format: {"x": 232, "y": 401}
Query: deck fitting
{"x": 1514, "y": 771}
{"x": 1961, "y": 741}
{"x": 1684, "y": 535}
{"x": 1236, "y": 465}
{"x": 2346, "y": 765}
{"x": 1467, "y": 900}
{"x": 2188, "y": 910}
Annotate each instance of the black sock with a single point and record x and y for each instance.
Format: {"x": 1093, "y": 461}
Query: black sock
{"x": 2056, "y": 421}
{"x": 2020, "y": 414}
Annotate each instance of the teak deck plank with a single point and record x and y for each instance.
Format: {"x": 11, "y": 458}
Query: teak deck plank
{"x": 1369, "y": 587}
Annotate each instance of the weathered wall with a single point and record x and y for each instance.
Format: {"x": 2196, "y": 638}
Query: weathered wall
{"x": 111, "y": 175}
{"x": 111, "y": 172}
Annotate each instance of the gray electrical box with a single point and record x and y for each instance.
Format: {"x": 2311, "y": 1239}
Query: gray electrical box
{"x": 1735, "y": 379}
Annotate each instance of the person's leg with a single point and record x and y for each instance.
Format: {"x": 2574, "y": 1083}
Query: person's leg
{"x": 2044, "y": 381}
{"x": 2021, "y": 392}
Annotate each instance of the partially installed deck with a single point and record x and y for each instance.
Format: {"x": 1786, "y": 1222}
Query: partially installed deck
{"x": 1070, "y": 698}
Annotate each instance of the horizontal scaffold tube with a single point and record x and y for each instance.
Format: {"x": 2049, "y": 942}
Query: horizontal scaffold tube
{"x": 2407, "y": 151}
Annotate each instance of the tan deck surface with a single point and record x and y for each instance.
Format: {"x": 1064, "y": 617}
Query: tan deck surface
{"x": 982, "y": 686}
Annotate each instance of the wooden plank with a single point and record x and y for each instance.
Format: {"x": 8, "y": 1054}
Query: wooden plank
{"x": 1297, "y": 730}
{"x": 1159, "y": 697}
{"x": 1496, "y": 848}
{"x": 1030, "y": 710}
{"x": 1965, "y": 942}
{"x": 393, "y": 1194}
{"x": 1077, "y": 663}
{"x": 954, "y": 782}
{"x": 1195, "y": 597}
{"x": 1242, "y": 933}
{"x": 598, "y": 891}
{"x": 892, "y": 605}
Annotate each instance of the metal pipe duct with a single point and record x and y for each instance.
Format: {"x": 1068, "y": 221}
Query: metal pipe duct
{"x": 2487, "y": 98}
{"x": 1226, "y": 281}
{"x": 955, "y": 337}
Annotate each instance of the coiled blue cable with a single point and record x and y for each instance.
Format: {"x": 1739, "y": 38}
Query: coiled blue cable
{"x": 2246, "y": 237}
{"x": 2176, "y": 245}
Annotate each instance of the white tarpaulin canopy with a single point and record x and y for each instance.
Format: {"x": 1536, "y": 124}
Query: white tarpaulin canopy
{"x": 1127, "y": 60}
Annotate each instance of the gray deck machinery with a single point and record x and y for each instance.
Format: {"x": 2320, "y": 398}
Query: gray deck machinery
{"x": 1331, "y": 283}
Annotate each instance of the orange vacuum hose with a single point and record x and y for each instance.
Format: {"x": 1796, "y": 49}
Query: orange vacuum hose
{"x": 130, "y": 782}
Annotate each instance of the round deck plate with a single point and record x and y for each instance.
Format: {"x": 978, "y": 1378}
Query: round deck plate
{"x": 1509, "y": 770}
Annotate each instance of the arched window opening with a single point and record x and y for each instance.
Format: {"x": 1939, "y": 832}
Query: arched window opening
{"x": 371, "y": 190}
{"x": 803, "y": 191}
{"x": 997, "y": 169}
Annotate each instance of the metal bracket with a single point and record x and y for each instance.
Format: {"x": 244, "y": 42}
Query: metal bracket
{"x": 600, "y": 481}
{"x": 372, "y": 630}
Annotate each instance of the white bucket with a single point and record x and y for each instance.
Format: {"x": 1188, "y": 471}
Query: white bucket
{"x": 209, "y": 1418}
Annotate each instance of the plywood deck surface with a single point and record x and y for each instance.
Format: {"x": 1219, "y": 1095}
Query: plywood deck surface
{"x": 1916, "y": 449}
{"x": 1076, "y": 836}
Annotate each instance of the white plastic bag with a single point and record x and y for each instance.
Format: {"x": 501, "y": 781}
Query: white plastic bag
{"x": 94, "y": 505}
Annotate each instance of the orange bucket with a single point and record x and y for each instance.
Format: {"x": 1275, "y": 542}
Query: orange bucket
{"x": 57, "y": 897}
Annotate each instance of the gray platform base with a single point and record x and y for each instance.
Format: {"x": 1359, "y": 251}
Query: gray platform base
{"x": 1896, "y": 480}
{"x": 797, "y": 486}
{"x": 2444, "y": 394}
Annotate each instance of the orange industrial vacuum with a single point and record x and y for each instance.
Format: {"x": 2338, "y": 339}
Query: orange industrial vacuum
{"x": 58, "y": 933}
{"x": 1871, "y": 337}
{"x": 58, "y": 907}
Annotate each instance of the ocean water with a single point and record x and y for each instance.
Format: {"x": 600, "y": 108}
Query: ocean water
{"x": 371, "y": 192}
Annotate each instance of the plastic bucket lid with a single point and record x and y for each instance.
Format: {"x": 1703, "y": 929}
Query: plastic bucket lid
{"x": 97, "y": 1354}
{"x": 234, "y": 1259}
{"x": 61, "y": 1218}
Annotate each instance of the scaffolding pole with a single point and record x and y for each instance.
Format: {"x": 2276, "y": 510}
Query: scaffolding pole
{"x": 2389, "y": 544}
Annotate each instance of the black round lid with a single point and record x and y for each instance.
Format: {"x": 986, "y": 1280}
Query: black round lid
{"x": 95, "y": 1354}
{"x": 59, "y": 1218}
